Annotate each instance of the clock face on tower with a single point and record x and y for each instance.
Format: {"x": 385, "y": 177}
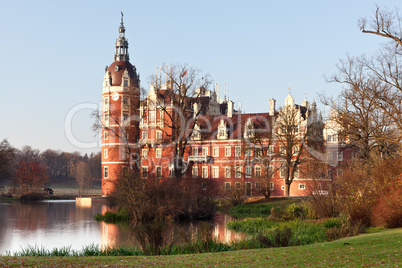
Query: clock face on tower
{"x": 115, "y": 96}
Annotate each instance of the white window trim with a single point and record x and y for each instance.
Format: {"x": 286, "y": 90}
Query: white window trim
{"x": 255, "y": 170}
{"x": 302, "y": 186}
{"x": 106, "y": 172}
{"x": 237, "y": 150}
{"x": 238, "y": 171}
{"x": 156, "y": 171}
{"x": 228, "y": 149}
{"x": 158, "y": 153}
{"x": 228, "y": 172}
{"x": 215, "y": 172}
{"x": 142, "y": 171}
{"x": 249, "y": 174}
{"x": 204, "y": 168}
{"x": 105, "y": 153}
{"x": 194, "y": 172}
{"x": 228, "y": 186}
{"x": 271, "y": 186}
{"x": 215, "y": 151}
{"x": 204, "y": 151}
{"x": 144, "y": 153}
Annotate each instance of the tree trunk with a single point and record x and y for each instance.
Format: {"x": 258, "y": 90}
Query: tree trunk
{"x": 287, "y": 189}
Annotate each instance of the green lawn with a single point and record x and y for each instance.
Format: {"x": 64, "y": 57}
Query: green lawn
{"x": 367, "y": 250}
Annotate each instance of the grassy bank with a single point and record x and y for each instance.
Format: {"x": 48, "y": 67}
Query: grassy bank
{"x": 261, "y": 208}
{"x": 378, "y": 249}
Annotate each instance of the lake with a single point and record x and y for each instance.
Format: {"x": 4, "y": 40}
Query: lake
{"x": 65, "y": 223}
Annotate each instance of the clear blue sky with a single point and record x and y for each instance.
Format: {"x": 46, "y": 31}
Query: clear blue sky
{"x": 53, "y": 54}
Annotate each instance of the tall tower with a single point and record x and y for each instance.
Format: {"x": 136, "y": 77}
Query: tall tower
{"x": 120, "y": 112}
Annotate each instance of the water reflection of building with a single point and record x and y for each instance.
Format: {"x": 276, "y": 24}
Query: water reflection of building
{"x": 109, "y": 232}
{"x": 222, "y": 233}
{"x": 116, "y": 235}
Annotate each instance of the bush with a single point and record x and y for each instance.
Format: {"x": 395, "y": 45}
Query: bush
{"x": 332, "y": 223}
{"x": 298, "y": 211}
{"x": 387, "y": 211}
{"x": 110, "y": 217}
{"x": 32, "y": 197}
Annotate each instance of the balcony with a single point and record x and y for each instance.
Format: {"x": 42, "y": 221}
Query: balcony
{"x": 201, "y": 159}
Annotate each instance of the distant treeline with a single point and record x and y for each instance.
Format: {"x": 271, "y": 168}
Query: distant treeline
{"x": 56, "y": 164}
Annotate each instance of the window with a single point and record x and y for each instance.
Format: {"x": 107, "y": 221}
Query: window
{"x": 105, "y": 172}
{"x": 106, "y": 104}
{"x": 158, "y": 135}
{"x": 340, "y": 156}
{"x": 339, "y": 173}
{"x": 158, "y": 153}
{"x": 302, "y": 186}
{"x": 258, "y": 186}
{"x": 204, "y": 151}
{"x": 144, "y": 153}
{"x": 105, "y": 153}
{"x": 144, "y": 172}
{"x": 296, "y": 149}
{"x": 215, "y": 172}
{"x": 215, "y": 151}
{"x": 158, "y": 172}
{"x": 195, "y": 151}
{"x": 125, "y": 117}
{"x": 195, "y": 172}
{"x": 271, "y": 186}
{"x": 228, "y": 172}
{"x": 205, "y": 172}
{"x": 238, "y": 172}
{"x": 283, "y": 171}
{"x": 248, "y": 152}
{"x": 271, "y": 170}
{"x": 238, "y": 185}
{"x": 248, "y": 171}
{"x": 283, "y": 149}
{"x": 282, "y": 188}
{"x": 222, "y": 133}
{"x": 125, "y": 101}
{"x": 106, "y": 121}
{"x": 228, "y": 150}
{"x": 152, "y": 115}
{"x": 227, "y": 186}
{"x": 237, "y": 151}
{"x": 203, "y": 185}
{"x": 271, "y": 149}
{"x": 145, "y": 135}
{"x": 106, "y": 134}
{"x": 257, "y": 171}
{"x": 125, "y": 82}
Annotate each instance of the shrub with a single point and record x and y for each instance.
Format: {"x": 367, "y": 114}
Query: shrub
{"x": 297, "y": 211}
{"x": 332, "y": 223}
{"x": 32, "y": 197}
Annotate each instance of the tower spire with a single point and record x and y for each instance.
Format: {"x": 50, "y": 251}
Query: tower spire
{"x": 121, "y": 52}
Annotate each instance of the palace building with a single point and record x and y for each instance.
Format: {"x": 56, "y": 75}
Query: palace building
{"x": 225, "y": 149}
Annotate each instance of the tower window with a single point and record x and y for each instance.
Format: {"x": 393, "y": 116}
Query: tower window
{"x": 105, "y": 172}
{"x": 125, "y": 83}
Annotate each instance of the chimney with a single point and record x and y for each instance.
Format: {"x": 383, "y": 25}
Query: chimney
{"x": 230, "y": 109}
{"x": 272, "y": 107}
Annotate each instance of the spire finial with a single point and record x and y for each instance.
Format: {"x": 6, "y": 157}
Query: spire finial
{"x": 121, "y": 52}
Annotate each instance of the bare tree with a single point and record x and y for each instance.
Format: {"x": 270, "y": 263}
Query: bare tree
{"x": 83, "y": 175}
{"x": 379, "y": 78}
{"x": 182, "y": 103}
{"x": 257, "y": 148}
{"x": 292, "y": 132}
{"x": 6, "y": 159}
